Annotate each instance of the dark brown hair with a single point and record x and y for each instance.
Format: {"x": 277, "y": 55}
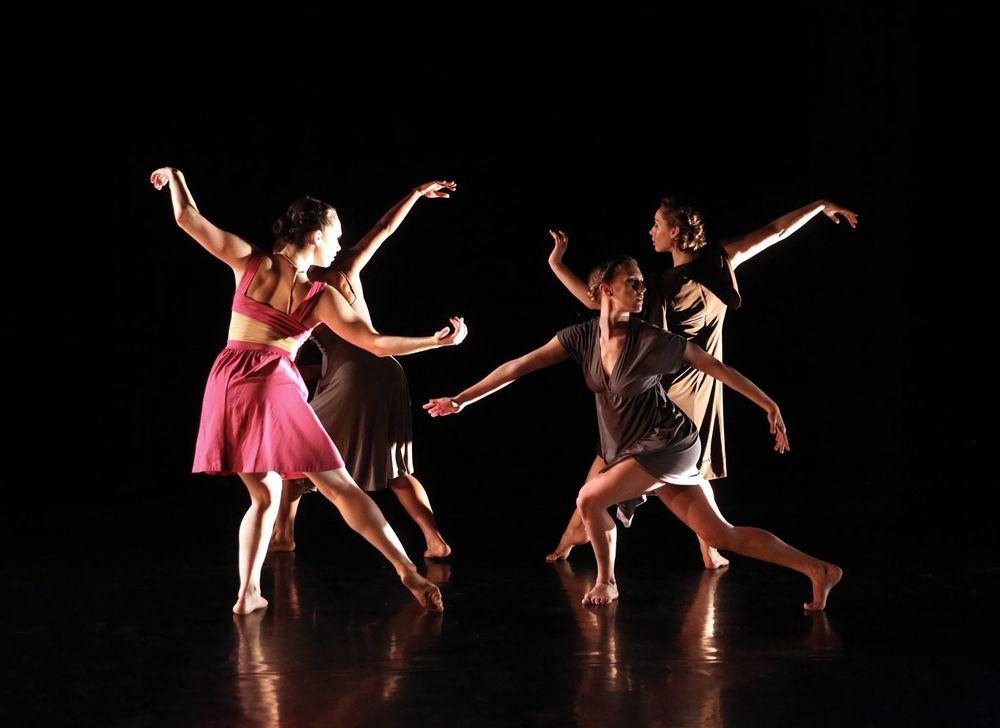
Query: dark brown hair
{"x": 303, "y": 216}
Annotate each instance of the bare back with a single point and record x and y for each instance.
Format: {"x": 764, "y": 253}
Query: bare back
{"x": 276, "y": 285}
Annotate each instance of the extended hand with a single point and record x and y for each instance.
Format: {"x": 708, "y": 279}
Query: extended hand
{"x": 443, "y": 406}
{"x": 161, "y": 177}
{"x": 831, "y": 211}
{"x": 455, "y": 334}
{"x": 779, "y": 432}
{"x": 434, "y": 189}
{"x": 560, "y": 240}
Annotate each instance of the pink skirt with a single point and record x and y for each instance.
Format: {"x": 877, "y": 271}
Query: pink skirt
{"x": 255, "y": 417}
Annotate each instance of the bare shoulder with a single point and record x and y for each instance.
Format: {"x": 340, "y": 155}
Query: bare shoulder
{"x": 342, "y": 284}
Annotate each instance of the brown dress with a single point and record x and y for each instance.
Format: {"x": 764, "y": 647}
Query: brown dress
{"x": 635, "y": 417}
{"x": 690, "y": 300}
{"x": 364, "y": 403}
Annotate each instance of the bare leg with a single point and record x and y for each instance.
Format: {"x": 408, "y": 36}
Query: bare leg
{"x": 363, "y": 516}
{"x": 255, "y": 532}
{"x": 621, "y": 482}
{"x": 693, "y": 506}
{"x": 283, "y": 536}
{"x": 414, "y": 499}
{"x": 575, "y": 534}
{"x": 711, "y": 557}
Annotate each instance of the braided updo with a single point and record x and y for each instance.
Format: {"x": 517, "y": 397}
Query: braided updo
{"x": 303, "y": 216}
{"x": 604, "y": 272}
{"x": 692, "y": 234}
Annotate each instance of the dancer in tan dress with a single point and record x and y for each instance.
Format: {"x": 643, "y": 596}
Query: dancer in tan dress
{"x": 691, "y": 299}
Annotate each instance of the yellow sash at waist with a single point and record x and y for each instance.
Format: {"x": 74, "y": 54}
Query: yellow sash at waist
{"x": 244, "y": 328}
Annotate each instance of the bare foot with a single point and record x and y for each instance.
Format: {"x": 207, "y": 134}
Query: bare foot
{"x": 566, "y": 543}
{"x": 425, "y": 592}
{"x": 437, "y": 549}
{"x": 249, "y": 602}
{"x": 712, "y": 558}
{"x": 825, "y": 578}
{"x": 601, "y": 594}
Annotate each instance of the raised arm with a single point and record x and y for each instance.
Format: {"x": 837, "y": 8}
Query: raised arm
{"x": 568, "y": 278}
{"x": 742, "y": 249}
{"x": 351, "y": 261}
{"x": 344, "y": 321}
{"x": 544, "y": 356}
{"x": 696, "y": 357}
{"x": 225, "y": 246}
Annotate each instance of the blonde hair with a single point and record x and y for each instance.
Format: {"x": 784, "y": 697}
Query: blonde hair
{"x": 692, "y": 234}
{"x": 604, "y": 272}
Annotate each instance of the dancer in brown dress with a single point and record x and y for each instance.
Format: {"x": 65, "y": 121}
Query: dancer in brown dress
{"x": 690, "y": 299}
{"x": 363, "y": 400}
{"x": 647, "y": 442}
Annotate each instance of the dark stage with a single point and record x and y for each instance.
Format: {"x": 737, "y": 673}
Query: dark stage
{"x": 135, "y": 639}
{"x": 121, "y": 565}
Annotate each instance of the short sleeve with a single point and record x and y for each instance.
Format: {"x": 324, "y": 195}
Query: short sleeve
{"x": 713, "y": 269}
{"x": 576, "y": 339}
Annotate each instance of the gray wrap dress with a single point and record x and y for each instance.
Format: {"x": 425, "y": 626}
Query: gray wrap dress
{"x": 634, "y": 415}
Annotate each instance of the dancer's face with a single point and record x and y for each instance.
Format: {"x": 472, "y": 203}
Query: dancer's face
{"x": 328, "y": 243}
{"x": 664, "y": 234}
{"x": 628, "y": 288}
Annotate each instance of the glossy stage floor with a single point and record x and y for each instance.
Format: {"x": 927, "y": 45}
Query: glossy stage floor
{"x": 128, "y": 636}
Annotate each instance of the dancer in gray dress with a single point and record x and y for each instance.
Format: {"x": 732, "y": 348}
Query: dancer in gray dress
{"x": 363, "y": 400}
{"x": 691, "y": 299}
{"x": 647, "y": 442}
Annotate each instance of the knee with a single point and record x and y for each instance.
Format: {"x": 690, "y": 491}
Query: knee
{"x": 587, "y": 503}
{"x": 266, "y": 500}
{"x": 336, "y": 484}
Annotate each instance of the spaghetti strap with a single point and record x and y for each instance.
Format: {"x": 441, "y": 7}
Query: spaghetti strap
{"x": 249, "y": 273}
{"x": 348, "y": 282}
{"x": 306, "y": 307}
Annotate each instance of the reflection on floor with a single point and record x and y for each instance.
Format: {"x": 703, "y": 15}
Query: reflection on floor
{"x": 145, "y": 641}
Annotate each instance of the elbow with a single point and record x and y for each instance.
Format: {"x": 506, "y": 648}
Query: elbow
{"x": 184, "y": 217}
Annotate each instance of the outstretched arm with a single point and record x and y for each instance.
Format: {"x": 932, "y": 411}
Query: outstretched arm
{"x": 544, "y": 356}
{"x": 742, "y": 249}
{"x": 344, "y": 321}
{"x": 351, "y": 261}
{"x": 225, "y": 246}
{"x": 568, "y": 278}
{"x": 696, "y": 357}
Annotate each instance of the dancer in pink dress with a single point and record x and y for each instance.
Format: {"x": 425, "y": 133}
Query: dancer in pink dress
{"x": 255, "y": 421}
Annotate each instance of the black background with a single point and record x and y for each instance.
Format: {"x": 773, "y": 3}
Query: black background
{"x": 746, "y": 116}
